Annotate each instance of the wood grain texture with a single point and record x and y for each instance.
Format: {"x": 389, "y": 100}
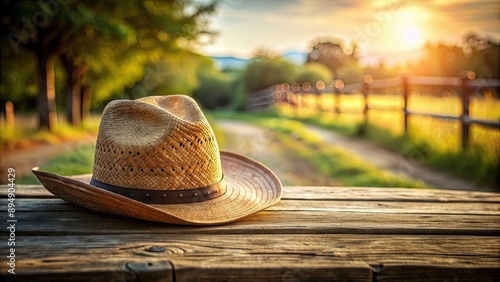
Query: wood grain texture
{"x": 283, "y": 219}
{"x": 332, "y": 193}
{"x": 387, "y": 194}
{"x": 465, "y": 208}
{"x": 313, "y": 234}
{"x": 314, "y": 257}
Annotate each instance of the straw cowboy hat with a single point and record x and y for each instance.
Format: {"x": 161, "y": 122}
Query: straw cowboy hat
{"x": 157, "y": 159}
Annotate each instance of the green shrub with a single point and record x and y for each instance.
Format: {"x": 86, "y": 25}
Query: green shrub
{"x": 314, "y": 72}
{"x": 239, "y": 95}
{"x": 265, "y": 72}
{"x": 351, "y": 73}
{"x": 214, "y": 90}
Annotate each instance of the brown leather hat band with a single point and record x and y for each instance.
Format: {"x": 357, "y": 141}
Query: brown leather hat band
{"x": 167, "y": 196}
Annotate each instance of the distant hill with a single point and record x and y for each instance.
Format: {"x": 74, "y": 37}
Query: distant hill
{"x": 229, "y": 62}
{"x": 298, "y": 58}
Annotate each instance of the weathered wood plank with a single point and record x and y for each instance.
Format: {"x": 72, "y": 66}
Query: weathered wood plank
{"x": 27, "y": 191}
{"x": 470, "y": 208}
{"x": 265, "y": 222}
{"x": 450, "y": 273}
{"x": 35, "y": 205}
{"x": 412, "y": 249}
{"x": 208, "y": 267}
{"x": 314, "y": 233}
{"x": 400, "y": 207}
{"x": 271, "y": 257}
{"x": 331, "y": 193}
{"x": 387, "y": 194}
{"x": 87, "y": 269}
{"x": 270, "y": 269}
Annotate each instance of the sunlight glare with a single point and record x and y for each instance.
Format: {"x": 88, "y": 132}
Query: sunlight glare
{"x": 411, "y": 35}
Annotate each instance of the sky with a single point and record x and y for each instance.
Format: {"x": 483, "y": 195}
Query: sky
{"x": 389, "y": 31}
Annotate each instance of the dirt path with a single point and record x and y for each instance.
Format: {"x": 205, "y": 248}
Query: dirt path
{"x": 24, "y": 160}
{"x": 388, "y": 160}
{"x": 259, "y": 144}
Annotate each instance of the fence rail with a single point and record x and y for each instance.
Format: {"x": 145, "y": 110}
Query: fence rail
{"x": 465, "y": 86}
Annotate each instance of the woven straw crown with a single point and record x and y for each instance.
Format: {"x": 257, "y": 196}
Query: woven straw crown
{"x": 156, "y": 143}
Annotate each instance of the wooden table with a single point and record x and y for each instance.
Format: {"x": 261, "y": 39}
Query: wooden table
{"x": 314, "y": 233}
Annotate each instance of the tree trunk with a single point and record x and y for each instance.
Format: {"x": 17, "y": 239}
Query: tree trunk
{"x": 85, "y": 95}
{"x": 73, "y": 115}
{"x": 73, "y": 104}
{"x": 47, "y": 115}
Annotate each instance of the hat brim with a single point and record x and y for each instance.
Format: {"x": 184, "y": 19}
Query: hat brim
{"x": 251, "y": 187}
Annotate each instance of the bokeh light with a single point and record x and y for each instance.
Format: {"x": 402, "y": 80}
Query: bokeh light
{"x": 320, "y": 85}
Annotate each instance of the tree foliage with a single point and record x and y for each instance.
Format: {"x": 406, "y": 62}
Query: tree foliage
{"x": 103, "y": 44}
{"x": 173, "y": 74}
{"x": 18, "y": 84}
{"x": 215, "y": 87}
{"x": 46, "y": 29}
{"x": 263, "y": 73}
{"x": 333, "y": 54}
{"x": 314, "y": 72}
{"x": 476, "y": 53}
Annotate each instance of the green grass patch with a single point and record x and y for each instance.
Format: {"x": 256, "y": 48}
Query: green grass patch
{"x": 245, "y": 116}
{"x": 78, "y": 161}
{"x": 24, "y": 133}
{"x": 328, "y": 160}
{"x": 332, "y": 161}
{"x": 476, "y": 164}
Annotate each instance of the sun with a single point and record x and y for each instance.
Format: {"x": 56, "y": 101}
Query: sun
{"x": 412, "y": 36}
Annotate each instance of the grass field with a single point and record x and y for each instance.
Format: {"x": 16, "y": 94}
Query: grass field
{"x": 430, "y": 141}
{"x": 332, "y": 161}
{"x": 328, "y": 160}
{"x": 24, "y": 134}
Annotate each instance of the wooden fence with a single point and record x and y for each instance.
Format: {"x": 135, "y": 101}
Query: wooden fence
{"x": 465, "y": 86}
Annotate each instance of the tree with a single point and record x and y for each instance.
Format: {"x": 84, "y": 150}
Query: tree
{"x": 159, "y": 61}
{"x": 173, "y": 74}
{"x": 75, "y": 96}
{"x": 483, "y": 54}
{"x": 314, "y": 72}
{"x": 18, "y": 84}
{"x": 44, "y": 28}
{"x": 333, "y": 54}
{"x": 84, "y": 35}
{"x": 477, "y": 53}
{"x": 263, "y": 73}
{"x": 19, "y": 29}
{"x": 263, "y": 52}
{"x": 214, "y": 87}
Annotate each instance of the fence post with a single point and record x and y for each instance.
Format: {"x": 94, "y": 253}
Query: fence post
{"x": 318, "y": 100}
{"x": 9, "y": 114}
{"x": 404, "y": 82}
{"x": 337, "y": 101}
{"x": 320, "y": 87}
{"x": 464, "y": 118}
{"x": 338, "y": 90}
{"x": 295, "y": 87}
{"x": 366, "y": 89}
